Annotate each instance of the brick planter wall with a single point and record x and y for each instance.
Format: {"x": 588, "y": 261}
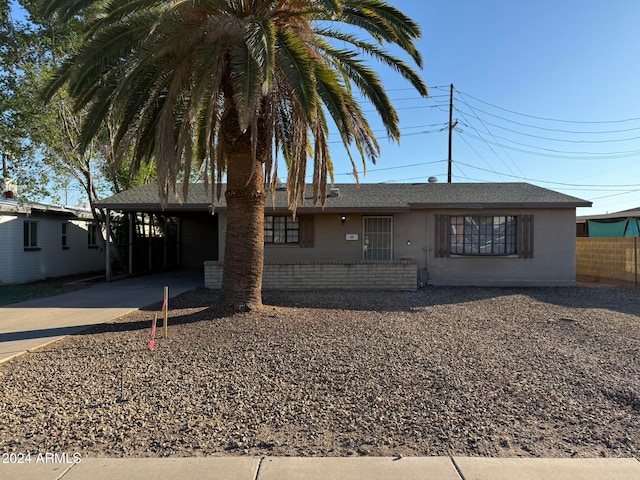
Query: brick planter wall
{"x": 386, "y": 275}
{"x": 607, "y": 259}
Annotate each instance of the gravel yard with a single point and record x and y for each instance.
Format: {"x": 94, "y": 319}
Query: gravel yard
{"x": 440, "y": 371}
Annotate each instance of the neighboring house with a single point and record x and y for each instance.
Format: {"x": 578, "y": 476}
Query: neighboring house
{"x": 618, "y": 224}
{"x": 392, "y": 236}
{"x": 43, "y": 241}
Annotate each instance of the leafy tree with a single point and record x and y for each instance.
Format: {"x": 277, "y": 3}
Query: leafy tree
{"x": 16, "y": 151}
{"x": 227, "y": 84}
{"x": 41, "y": 144}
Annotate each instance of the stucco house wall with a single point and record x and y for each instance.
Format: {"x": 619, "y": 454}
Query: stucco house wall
{"x": 416, "y": 210}
{"x": 49, "y": 259}
{"x": 330, "y": 239}
{"x": 553, "y": 262}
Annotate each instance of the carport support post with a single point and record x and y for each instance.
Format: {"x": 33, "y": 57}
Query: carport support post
{"x": 108, "y": 247}
{"x": 131, "y": 214}
{"x": 179, "y": 222}
{"x": 164, "y": 243}
{"x": 165, "y": 307}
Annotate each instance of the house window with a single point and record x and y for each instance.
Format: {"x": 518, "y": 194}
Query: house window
{"x": 378, "y": 238}
{"x": 64, "y": 237}
{"x": 93, "y": 233}
{"x": 281, "y": 229}
{"x": 483, "y": 235}
{"x": 31, "y": 236}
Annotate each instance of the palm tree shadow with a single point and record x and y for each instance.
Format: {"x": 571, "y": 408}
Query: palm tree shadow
{"x": 353, "y": 300}
{"x": 581, "y": 297}
{"x": 197, "y": 308}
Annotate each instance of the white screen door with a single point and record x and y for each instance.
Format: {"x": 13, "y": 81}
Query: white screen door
{"x": 377, "y": 238}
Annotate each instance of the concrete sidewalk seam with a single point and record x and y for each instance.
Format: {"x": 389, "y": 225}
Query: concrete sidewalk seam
{"x": 455, "y": 465}
{"x": 262, "y": 459}
{"x": 64, "y": 474}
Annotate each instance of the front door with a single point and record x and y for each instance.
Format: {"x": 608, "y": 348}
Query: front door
{"x": 377, "y": 238}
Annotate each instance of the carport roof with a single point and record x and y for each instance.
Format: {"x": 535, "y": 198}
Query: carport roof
{"x": 380, "y": 197}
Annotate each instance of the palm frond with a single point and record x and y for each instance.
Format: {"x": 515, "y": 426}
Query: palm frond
{"x": 260, "y": 37}
{"x": 376, "y": 53}
{"x": 246, "y": 77}
{"x": 384, "y": 22}
{"x": 172, "y": 72}
{"x": 294, "y": 63}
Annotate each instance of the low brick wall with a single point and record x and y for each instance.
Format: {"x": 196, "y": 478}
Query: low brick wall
{"x": 608, "y": 259}
{"x": 386, "y": 275}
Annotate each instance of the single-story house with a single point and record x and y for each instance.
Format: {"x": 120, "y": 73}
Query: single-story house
{"x": 40, "y": 241}
{"x": 618, "y": 224}
{"x": 394, "y": 236}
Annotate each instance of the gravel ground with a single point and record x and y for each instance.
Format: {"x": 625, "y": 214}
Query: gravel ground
{"x": 442, "y": 371}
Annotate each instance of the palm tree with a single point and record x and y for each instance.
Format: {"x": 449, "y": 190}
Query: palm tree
{"x": 228, "y": 84}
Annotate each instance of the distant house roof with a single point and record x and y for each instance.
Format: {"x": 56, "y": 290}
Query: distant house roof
{"x": 13, "y": 207}
{"x": 633, "y": 212}
{"x": 389, "y": 197}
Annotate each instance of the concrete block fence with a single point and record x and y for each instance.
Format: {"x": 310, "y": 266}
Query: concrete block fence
{"x": 608, "y": 260}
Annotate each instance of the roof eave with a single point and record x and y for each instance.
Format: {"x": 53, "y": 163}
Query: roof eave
{"x": 155, "y": 207}
{"x": 491, "y": 205}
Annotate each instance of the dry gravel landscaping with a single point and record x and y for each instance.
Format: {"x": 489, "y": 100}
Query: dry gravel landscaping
{"x": 440, "y": 371}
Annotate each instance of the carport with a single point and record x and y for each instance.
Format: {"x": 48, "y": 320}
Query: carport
{"x": 150, "y": 237}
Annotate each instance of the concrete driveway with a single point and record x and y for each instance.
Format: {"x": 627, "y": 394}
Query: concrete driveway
{"x": 28, "y": 325}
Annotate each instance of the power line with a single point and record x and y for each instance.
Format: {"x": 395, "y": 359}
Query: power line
{"x": 615, "y": 194}
{"x": 559, "y": 153}
{"x": 578, "y": 132}
{"x": 493, "y": 136}
{"x": 553, "y": 150}
{"x": 436, "y": 87}
{"x": 551, "y": 119}
{"x": 438, "y": 106}
{"x": 550, "y": 182}
{"x": 396, "y": 167}
{"x": 477, "y": 153}
{"x": 561, "y": 139}
{"x": 410, "y": 134}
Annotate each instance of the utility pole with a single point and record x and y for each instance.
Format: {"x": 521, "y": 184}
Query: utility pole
{"x": 451, "y": 126}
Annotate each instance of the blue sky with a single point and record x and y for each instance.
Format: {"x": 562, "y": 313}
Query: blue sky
{"x": 545, "y": 92}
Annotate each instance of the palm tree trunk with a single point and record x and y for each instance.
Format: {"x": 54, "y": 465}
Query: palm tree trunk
{"x": 244, "y": 250}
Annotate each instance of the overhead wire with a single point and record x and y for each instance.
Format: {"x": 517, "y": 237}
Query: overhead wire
{"x": 493, "y": 136}
{"x": 395, "y": 167}
{"x": 551, "y": 182}
{"x": 478, "y": 154}
{"x": 473, "y": 119}
{"x": 565, "y": 139}
{"x": 601, "y": 122}
{"x": 564, "y": 155}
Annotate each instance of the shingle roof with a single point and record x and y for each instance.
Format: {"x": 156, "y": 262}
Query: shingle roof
{"x": 369, "y": 196}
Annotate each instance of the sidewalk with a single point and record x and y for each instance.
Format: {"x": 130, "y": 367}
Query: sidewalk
{"x": 316, "y": 468}
{"x": 28, "y": 325}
